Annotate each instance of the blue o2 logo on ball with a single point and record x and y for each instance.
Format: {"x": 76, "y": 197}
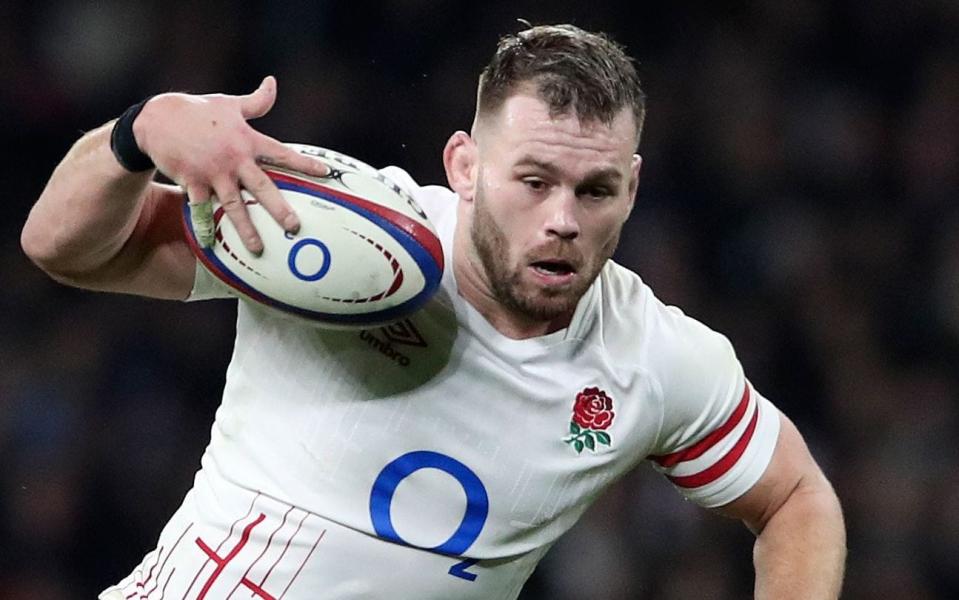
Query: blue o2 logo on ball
{"x": 295, "y": 252}
{"x": 477, "y": 503}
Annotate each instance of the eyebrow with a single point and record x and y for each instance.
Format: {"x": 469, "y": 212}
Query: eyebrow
{"x": 609, "y": 175}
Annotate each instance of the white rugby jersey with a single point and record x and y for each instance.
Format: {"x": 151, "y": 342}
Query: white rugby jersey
{"x": 437, "y": 458}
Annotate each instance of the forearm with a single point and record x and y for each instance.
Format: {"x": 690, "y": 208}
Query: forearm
{"x": 98, "y": 226}
{"x": 801, "y": 551}
{"x": 87, "y": 212}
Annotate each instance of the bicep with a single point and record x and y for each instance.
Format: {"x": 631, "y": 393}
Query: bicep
{"x": 790, "y": 467}
{"x": 156, "y": 260}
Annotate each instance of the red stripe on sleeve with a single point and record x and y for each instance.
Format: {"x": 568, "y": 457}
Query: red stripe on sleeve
{"x": 700, "y": 447}
{"x": 722, "y": 465}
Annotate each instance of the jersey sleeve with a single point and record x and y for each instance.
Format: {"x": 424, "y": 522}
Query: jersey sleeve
{"x": 718, "y": 433}
{"x": 207, "y": 287}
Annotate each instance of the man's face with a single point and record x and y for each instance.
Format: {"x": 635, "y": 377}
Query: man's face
{"x": 551, "y": 198}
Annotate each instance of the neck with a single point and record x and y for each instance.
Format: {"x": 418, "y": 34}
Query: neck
{"x": 473, "y": 287}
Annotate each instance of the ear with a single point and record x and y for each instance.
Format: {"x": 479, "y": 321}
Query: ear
{"x": 461, "y": 161}
{"x": 634, "y": 179}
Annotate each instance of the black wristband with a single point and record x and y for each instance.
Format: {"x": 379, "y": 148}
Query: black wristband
{"x": 124, "y": 145}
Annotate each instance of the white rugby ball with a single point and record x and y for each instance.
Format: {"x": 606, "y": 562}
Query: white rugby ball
{"x": 365, "y": 254}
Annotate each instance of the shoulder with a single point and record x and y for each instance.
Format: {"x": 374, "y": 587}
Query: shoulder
{"x": 692, "y": 368}
{"x": 665, "y": 340}
{"x": 716, "y": 432}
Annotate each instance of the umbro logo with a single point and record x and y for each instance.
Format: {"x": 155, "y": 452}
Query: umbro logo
{"x": 400, "y": 333}
{"x": 403, "y": 332}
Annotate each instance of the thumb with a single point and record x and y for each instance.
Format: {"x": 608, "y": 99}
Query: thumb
{"x": 260, "y": 101}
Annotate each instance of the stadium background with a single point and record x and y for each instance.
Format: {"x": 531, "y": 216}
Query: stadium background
{"x": 799, "y": 194}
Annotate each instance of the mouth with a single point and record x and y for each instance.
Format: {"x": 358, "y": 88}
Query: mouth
{"x": 553, "y": 271}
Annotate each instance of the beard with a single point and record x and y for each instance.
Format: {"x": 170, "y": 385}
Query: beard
{"x": 507, "y": 283}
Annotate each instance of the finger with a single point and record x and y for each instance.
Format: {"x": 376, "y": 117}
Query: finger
{"x": 233, "y": 205}
{"x": 201, "y": 213}
{"x": 260, "y": 101}
{"x": 276, "y": 154}
{"x": 255, "y": 181}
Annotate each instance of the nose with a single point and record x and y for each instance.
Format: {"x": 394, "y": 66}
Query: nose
{"x": 561, "y": 217}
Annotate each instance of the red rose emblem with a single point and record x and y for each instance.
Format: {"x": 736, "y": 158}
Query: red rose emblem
{"x": 593, "y": 409}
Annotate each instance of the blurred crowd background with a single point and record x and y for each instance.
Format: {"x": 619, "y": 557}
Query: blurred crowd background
{"x": 799, "y": 194}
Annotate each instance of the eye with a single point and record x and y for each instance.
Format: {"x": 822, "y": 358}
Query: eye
{"x": 534, "y": 184}
{"x": 597, "y": 192}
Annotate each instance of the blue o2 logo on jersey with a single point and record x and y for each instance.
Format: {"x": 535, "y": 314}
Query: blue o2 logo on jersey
{"x": 295, "y": 252}
{"x": 477, "y": 503}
